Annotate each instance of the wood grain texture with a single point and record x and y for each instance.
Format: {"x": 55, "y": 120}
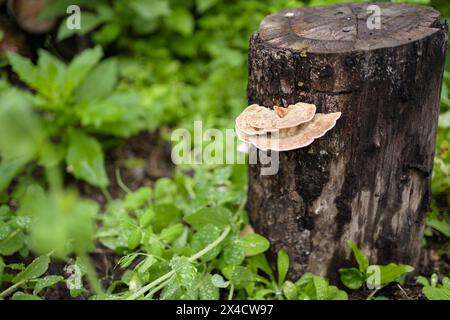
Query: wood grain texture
{"x": 368, "y": 180}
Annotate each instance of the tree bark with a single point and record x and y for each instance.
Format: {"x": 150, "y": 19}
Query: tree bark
{"x": 369, "y": 178}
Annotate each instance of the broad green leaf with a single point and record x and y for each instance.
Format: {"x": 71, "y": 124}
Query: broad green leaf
{"x": 12, "y": 244}
{"x": 440, "y": 225}
{"x": 134, "y": 240}
{"x": 150, "y": 9}
{"x": 172, "y": 233}
{"x": 24, "y": 296}
{"x": 181, "y": 20}
{"x": 254, "y": 244}
{"x": 85, "y": 159}
{"x": 100, "y": 82}
{"x": 321, "y": 287}
{"x": 21, "y": 134}
{"x": 290, "y": 290}
{"x": 208, "y": 290}
{"x": 165, "y": 216}
{"x": 185, "y": 271}
{"x": 282, "y": 265}
{"x": 24, "y": 68}
{"x": 218, "y": 281}
{"x": 203, "y": 5}
{"x": 444, "y": 120}
{"x": 34, "y": 270}
{"x": 52, "y": 74}
{"x": 391, "y": 272}
{"x": 80, "y": 67}
{"x": 88, "y": 21}
{"x": 146, "y": 264}
{"x": 203, "y": 237}
{"x": 335, "y": 294}
{"x": 71, "y": 219}
{"x": 218, "y": 216}
{"x": 234, "y": 252}
{"x": 259, "y": 262}
{"x": 313, "y": 287}
{"x": 9, "y": 170}
{"x": 46, "y": 282}
{"x": 171, "y": 290}
{"x": 360, "y": 257}
{"x": 146, "y": 218}
{"x": 137, "y": 199}
{"x": 352, "y": 278}
{"x": 434, "y": 290}
{"x": 239, "y": 276}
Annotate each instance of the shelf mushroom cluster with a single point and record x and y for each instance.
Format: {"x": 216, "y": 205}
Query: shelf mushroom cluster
{"x": 283, "y": 129}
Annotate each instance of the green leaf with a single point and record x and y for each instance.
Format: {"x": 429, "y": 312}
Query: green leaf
{"x": 100, "y": 82}
{"x": 150, "y": 9}
{"x": 24, "y": 296}
{"x": 290, "y": 290}
{"x": 145, "y": 264}
{"x": 352, "y": 278}
{"x": 254, "y": 244}
{"x": 208, "y": 290}
{"x": 282, "y": 265}
{"x": 239, "y": 276}
{"x": 185, "y": 271}
{"x": 171, "y": 290}
{"x": 34, "y": 270}
{"x": 24, "y": 68}
{"x": 171, "y": 233}
{"x": 85, "y": 159}
{"x": 434, "y": 293}
{"x": 46, "y": 282}
{"x": 13, "y": 243}
{"x": 52, "y": 74}
{"x": 134, "y": 240}
{"x": 2, "y": 268}
{"x": 440, "y": 225}
{"x": 88, "y": 21}
{"x": 360, "y": 257}
{"x": 137, "y": 199}
{"x": 335, "y": 294}
{"x": 233, "y": 252}
{"x": 181, "y": 21}
{"x": 80, "y": 67}
{"x": 321, "y": 286}
{"x": 71, "y": 219}
{"x": 203, "y": 237}
{"x": 9, "y": 169}
{"x": 203, "y": 5}
{"x": 218, "y": 216}
{"x": 219, "y": 282}
{"x": 391, "y": 272}
{"x": 434, "y": 290}
{"x": 313, "y": 287}
{"x": 259, "y": 262}
{"x": 165, "y": 215}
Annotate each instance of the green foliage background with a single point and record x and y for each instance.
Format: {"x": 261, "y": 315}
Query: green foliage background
{"x": 154, "y": 65}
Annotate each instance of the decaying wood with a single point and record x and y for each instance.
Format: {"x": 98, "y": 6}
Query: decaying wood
{"x": 367, "y": 180}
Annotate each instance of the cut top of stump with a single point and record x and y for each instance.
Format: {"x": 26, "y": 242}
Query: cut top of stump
{"x": 348, "y": 27}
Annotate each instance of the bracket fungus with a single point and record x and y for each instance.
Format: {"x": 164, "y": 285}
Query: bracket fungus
{"x": 283, "y": 129}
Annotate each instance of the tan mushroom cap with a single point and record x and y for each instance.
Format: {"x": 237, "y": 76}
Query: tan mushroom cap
{"x": 242, "y": 121}
{"x": 256, "y": 120}
{"x": 296, "y": 137}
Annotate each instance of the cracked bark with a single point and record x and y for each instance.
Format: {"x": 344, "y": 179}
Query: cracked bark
{"x": 368, "y": 180}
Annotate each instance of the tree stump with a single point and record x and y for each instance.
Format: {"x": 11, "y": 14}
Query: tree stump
{"x": 368, "y": 179}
